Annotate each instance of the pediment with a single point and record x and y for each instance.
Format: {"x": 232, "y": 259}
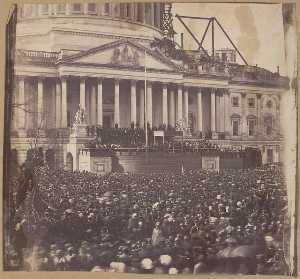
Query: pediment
{"x": 123, "y": 53}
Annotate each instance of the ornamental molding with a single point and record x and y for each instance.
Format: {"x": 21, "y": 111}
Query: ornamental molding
{"x": 117, "y": 44}
{"x": 100, "y": 35}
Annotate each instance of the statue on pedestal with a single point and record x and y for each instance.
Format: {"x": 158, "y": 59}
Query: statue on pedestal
{"x": 79, "y": 118}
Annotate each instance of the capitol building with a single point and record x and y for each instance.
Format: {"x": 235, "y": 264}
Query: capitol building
{"x": 98, "y": 56}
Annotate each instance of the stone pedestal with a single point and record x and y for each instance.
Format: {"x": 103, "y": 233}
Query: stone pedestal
{"x": 78, "y": 139}
{"x": 79, "y": 131}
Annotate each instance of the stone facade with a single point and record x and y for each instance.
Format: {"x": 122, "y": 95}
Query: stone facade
{"x": 98, "y": 56}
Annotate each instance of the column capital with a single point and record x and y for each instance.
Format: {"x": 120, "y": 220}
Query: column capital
{"x": 185, "y": 87}
{"x": 41, "y": 78}
{"x": 21, "y": 77}
{"x": 226, "y": 92}
{"x": 164, "y": 85}
{"x": 180, "y": 86}
{"x": 133, "y": 82}
{"x": 213, "y": 90}
{"x": 83, "y": 78}
{"x": 64, "y": 78}
{"x": 149, "y": 83}
{"x": 99, "y": 79}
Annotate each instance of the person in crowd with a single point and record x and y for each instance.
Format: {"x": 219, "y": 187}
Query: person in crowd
{"x": 157, "y": 223}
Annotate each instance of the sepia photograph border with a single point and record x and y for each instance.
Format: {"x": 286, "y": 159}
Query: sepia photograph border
{"x": 4, "y": 17}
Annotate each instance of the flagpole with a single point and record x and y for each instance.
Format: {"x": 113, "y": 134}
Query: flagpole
{"x": 145, "y": 103}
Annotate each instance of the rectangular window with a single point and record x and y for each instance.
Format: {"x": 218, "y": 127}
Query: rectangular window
{"x": 235, "y": 101}
{"x": 251, "y": 127}
{"x": 251, "y": 102}
{"x": 77, "y": 7}
{"x": 92, "y": 8}
{"x": 235, "y": 127}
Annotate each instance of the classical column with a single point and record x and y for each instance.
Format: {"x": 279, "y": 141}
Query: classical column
{"x": 64, "y": 108}
{"x": 93, "y": 104}
{"x": 149, "y": 103}
{"x": 133, "y": 102}
{"x": 226, "y": 113}
{"x": 117, "y": 103}
{"x": 85, "y": 8}
{"x": 82, "y": 93}
{"x": 40, "y": 103}
{"x": 152, "y": 14}
{"x": 165, "y": 105}
{"x": 244, "y": 116}
{"x": 172, "y": 108}
{"x": 142, "y": 107}
{"x": 179, "y": 103}
{"x": 99, "y": 103}
{"x": 68, "y": 8}
{"x": 213, "y": 110}
{"x": 157, "y": 20}
{"x": 21, "y": 104}
{"x": 199, "y": 110}
{"x": 133, "y": 11}
{"x": 186, "y": 106}
{"x": 58, "y": 104}
{"x": 221, "y": 116}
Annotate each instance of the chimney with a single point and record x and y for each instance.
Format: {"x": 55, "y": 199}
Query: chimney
{"x": 278, "y": 70}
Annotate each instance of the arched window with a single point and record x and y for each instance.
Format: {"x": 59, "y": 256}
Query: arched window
{"x": 268, "y": 123}
{"x": 269, "y": 104}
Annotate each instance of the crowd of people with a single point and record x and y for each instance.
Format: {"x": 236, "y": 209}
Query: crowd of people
{"x": 188, "y": 223}
{"x": 135, "y": 139}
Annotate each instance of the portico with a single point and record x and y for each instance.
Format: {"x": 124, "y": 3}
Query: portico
{"x": 122, "y": 100}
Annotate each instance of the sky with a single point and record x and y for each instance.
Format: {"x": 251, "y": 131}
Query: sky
{"x": 256, "y": 29}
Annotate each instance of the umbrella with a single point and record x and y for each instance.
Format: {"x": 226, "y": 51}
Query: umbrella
{"x": 244, "y": 251}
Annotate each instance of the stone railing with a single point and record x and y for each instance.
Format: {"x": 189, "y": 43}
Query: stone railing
{"x": 49, "y": 133}
{"x": 206, "y": 68}
{"x": 37, "y": 55}
{"x": 256, "y": 74}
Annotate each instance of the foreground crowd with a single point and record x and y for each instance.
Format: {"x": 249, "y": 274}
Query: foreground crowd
{"x": 196, "y": 222}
